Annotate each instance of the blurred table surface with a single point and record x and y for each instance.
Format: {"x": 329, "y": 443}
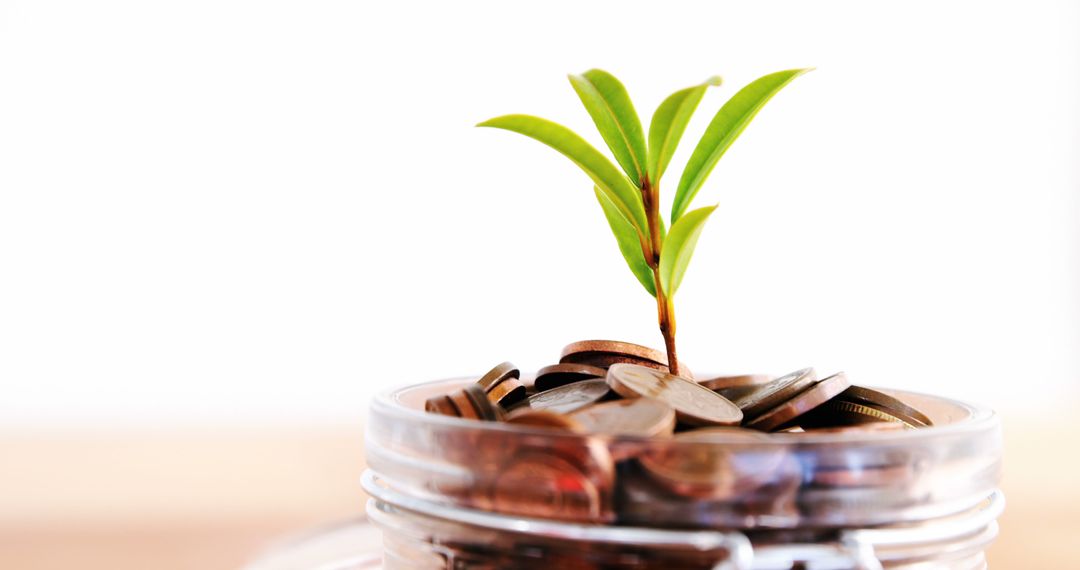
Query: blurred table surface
{"x": 215, "y": 499}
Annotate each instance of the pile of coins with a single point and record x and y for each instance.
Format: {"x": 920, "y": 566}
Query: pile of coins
{"x": 722, "y": 462}
{"x": 619, "y": 388}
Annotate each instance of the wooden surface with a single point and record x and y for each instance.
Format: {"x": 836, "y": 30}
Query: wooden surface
{"x": 187, "y": 500}
{"x": 169, "y": 500}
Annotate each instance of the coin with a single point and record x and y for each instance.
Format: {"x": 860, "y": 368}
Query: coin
{"x": 645, "y": 500}
{"x": 507, "y": 392}
{"x": 501, "y": 384}
{"x": 498, "y": 374}
{"x": 613, "y": 347}
{"x": 464, "y": 405}
{"x": 885, "y": 403}
{"x": 718, "y": 463}
{"x": 776, "y": 392}
{"x": 557, "y": 375}
{"x": 543, "y": 418}
{"x": 639, "y": 416}
{"x": 722, "y": 383}
{"x": 482, "y": 404}
{"x": 606, "y": 353}
{"x": 693, "y": 404}
{"x": 785, "y": 413}
{"x": 441, "y": 404}
{"x": 838, "y": 413}
{"x": 566, "y": 399}
{"x": 545, "y": 485}
{"x": 606, "y": 360}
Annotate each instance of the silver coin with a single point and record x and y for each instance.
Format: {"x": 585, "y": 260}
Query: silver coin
{"x": 568, "y": 398}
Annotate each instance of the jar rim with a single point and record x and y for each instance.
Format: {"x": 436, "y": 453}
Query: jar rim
{"x": 977, "y": 418}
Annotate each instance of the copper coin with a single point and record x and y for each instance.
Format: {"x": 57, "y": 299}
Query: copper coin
{"x": 545, "y": 485}
{"x": 498, "y": 374}
{"x": 693, "y": 404}
{"x": 720, "y": 383}
{"x": 606, "y": 353}
{"x": 807, "y": 400}
{"x": 886, "y": 403}
{"x": 765, "y": 497}
{"x": 606, "y": 360}
{"x": 717, "y": 463}
{"x": 543, "y": 418}
{"x": 441, "y": 404}
{"x": 507, "y": 392}
{"x": 639, "y": 416}
{"x": 568, "y": 398}
{"x": 464, "y": 405}
{"x": 776, "y": 392}
{"x": 557, "y": 375}
{"x": 613, "y": 347}
{"x": 482, "y": 404}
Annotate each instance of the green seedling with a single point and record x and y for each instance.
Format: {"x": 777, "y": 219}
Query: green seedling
{"x": 630, "y": 198}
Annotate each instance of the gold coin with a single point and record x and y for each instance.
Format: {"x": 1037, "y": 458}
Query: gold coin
{"x": 639, "y": 416}
{"x": 693, "y": 404}
{"x": 842, "y": 413}
{"x": 885, "y": 403}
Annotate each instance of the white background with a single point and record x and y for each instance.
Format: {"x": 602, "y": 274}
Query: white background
{"x": 266, "y": 211}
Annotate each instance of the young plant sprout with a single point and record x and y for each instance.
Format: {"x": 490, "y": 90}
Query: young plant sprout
{"x": 630, "y": 199}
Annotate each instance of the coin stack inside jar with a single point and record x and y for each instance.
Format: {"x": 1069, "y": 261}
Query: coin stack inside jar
{"x": 685, "y": 444}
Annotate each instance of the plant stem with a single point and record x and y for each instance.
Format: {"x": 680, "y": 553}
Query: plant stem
{"x": 665, "y": 307}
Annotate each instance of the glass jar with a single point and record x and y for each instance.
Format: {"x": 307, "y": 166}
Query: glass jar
{"x": 454, "y": 493}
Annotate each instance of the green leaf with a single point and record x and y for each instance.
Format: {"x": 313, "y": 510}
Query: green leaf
{"x": 679, "y": 247}
{"x": 611, "y": 182}
{"x": 610, "y": 107}
{"x": 629, "y": 241}
{"x": 725, "y": 127}
{"x": 668, "y": 123}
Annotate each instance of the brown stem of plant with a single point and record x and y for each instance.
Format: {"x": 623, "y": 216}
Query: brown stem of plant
{"x": 665, "y": 308}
